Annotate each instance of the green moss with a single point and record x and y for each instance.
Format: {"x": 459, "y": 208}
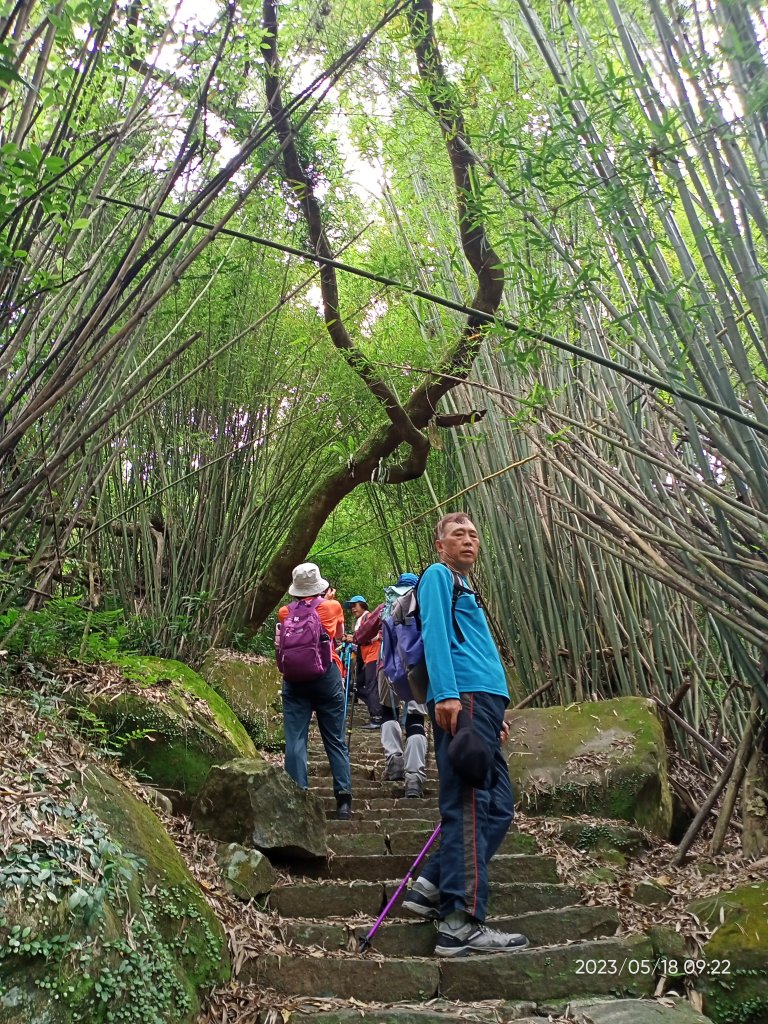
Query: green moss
{"x": 741, "y": 998}
{"x": 606, "y": 758}
{"x": 140, "y": 941}
{"x": 742, "y": 915}
{"x": 668, "y": 944}
{"x": 741, "y": 939}
{"x": 252, "y": 691}
{"x": 603, "y": 837}
{"x": 150, "y": 670}
{"x": 168, "y": 724}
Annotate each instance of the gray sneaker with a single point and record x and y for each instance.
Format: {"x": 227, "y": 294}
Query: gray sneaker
{"x": 476, "y": 938}
{"x": 394, "y": 771}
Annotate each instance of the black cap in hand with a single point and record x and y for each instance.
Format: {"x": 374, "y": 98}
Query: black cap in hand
{"x": 469, "y": 754}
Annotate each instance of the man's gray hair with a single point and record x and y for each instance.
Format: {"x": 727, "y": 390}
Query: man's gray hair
{"x": 452, "y": 517}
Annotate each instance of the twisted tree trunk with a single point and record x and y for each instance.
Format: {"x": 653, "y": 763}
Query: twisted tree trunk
{"x": 406, "y": 421}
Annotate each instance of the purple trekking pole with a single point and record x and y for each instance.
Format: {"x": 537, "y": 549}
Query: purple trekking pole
{"x": 366, "y": 942}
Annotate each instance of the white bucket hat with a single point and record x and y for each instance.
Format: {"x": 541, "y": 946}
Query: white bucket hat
{"x": 307, "y": 581}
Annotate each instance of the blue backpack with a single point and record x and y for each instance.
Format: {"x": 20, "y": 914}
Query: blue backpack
{"x": 402, "y": 645}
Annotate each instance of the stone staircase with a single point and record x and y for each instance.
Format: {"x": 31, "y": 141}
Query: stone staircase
{"x": 326, "y": 908}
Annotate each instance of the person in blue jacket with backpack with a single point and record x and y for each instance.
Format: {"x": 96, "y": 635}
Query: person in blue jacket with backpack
{"x": 467, "y": 688}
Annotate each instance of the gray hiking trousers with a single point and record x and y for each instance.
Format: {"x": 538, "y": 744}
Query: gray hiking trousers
{"x": 412, "y": 748}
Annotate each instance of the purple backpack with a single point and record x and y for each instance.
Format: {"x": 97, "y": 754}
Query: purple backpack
{"x": 303, "y": 648}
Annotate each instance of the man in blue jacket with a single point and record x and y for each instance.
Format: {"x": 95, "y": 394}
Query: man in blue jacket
{"x": 465, "y": 673}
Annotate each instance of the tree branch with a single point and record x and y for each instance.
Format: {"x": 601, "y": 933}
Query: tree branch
{"x": 407, "y": 422}
{"x": 301, "y": 185}
{"x": 478, "y": 251}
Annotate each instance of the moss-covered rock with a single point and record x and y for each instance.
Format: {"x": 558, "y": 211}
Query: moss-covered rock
{"x": 603, "y": 837}
{"x": 735, "y": 988}
{"x": 100, "y": 920}
{"x": 259, "y": 805}
{"x": 247, "y": 873}
{"x": 634, "y": 1011}
{"x": 651, "y": 894}
{"x": 668, "y": 944}
{"x": 169, "y": 724}
{"x": 251, "y": 687}
{"x": 604, "y": 758}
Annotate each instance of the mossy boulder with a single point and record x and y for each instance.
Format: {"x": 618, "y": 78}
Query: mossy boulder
{"x": 100, "y": 919}
{"x": 246, "y": 873}
{"x": 603, "y": 758}
{"x": 651, "y": 894}
{"x": 668, "y": 944}
{"x": 735, "y": 988}
{"x": 251, "y": 687}
{"x": 604, "y": 837}
{"x": 170, "y": 726}
{"x": 259, "y": 805}
{"x": 634, "y": 1011}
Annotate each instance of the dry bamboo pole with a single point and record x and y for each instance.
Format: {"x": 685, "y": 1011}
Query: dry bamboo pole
{"x": 704, "y": 811}
{"x": 743, "y": 754}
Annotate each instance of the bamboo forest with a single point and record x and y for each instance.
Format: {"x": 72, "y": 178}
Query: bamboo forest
{"x": 286, "y": 282}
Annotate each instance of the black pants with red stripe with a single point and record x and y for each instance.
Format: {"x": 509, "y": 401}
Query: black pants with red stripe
{"x": 475, "y": 821}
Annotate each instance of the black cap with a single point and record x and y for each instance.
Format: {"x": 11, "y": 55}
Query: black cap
{"x": 469, "y": 754}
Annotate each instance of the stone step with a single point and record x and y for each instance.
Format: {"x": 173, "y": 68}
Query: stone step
{"x": 409, "y": 841}
{"x": 345, "y": 977}
{"x": 374, "y": 824}
{"x": 320, "y": 772}
{"x": 544, "y": 972}
{"x": 372, "y": 791}
{"x": 595, "y": 1009}
{"x": 547, "y": 973}
{"x": 383, "y": 803}
{"x": 517, "y": 867}
{"x": 363, "y": 746}
{"x": 345, "y": 899}
{"x": 417, "y": 938}
{"x": 410, "y": 1015}
{"x": 424, "y": 810}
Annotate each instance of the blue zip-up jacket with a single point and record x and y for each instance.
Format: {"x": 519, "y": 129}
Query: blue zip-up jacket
{"x": 453, "y": 667}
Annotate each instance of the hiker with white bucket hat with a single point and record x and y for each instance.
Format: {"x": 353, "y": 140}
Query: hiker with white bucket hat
{"x": 311, "y": 669}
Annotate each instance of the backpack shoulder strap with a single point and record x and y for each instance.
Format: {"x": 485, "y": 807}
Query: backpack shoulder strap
{"x": 312, "y": 605}
{"x": 459, "y": 588}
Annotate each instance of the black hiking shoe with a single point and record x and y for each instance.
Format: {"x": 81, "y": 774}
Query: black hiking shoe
{"x": 344, "y": 806}
{"x": 423, "y": 902}
{"x": 394, "y": 771}
{"x": 414, "y": 787}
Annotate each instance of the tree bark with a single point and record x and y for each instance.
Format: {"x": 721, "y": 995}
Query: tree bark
{"x": 406, "y": 421}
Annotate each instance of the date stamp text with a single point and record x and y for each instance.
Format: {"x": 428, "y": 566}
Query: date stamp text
{"x": 666, "y": 966}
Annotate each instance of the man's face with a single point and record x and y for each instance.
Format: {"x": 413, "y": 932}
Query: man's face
{"x": 459, "y": 546}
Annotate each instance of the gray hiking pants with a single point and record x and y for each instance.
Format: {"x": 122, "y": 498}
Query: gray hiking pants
{"x": 414, "y": 749}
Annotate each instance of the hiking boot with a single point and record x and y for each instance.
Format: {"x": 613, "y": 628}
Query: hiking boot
{"x": 375, "y": 723}
{"x": 344, "y": 806}
{"x": 460, "y": 935}
{"x": 414, "y": 787}
{"x": 423, "y": 899}
{"x": 394, "y": 771}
